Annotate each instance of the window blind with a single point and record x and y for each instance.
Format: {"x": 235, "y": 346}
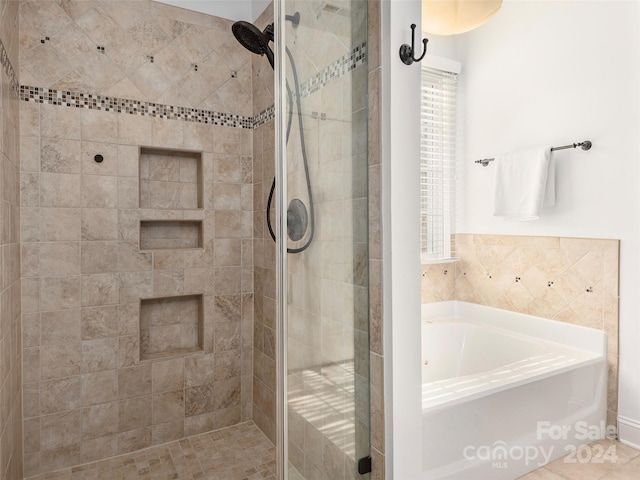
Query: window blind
{"x": 437, "y": 160}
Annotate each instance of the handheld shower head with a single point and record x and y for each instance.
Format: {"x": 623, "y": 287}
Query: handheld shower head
{"x": 299, "y": 220}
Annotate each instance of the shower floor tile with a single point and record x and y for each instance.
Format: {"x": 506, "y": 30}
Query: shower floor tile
{"x": 240, "y": 452}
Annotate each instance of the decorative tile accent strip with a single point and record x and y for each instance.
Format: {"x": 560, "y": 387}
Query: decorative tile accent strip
{"x": 132, "y": 107}
{"x": 8, "y": 68}
{"x": 105, "y": 103}
{"x": 344, "y": 64}
{"x": 264, "y": 116}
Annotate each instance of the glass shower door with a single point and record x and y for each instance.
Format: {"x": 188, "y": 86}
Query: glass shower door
{"x": 323, "y": 264}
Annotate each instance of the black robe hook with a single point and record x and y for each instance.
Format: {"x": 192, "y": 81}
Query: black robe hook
{"x": 406, "y": 51}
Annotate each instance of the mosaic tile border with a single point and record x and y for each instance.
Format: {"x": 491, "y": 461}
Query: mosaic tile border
{"x": 8, "y": 68}
{"x": 264, "y": 116}
{"x": 346, "y": 63}
{"x": 104, "y": 103}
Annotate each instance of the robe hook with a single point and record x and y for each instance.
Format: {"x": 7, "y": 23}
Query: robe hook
{"x": 407, "y": 52}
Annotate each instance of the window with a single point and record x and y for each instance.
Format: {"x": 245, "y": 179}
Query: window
{"x": 437, "y": 162}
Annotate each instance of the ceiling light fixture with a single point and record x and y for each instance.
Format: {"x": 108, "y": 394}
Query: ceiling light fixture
{"x": 449, "y": 17}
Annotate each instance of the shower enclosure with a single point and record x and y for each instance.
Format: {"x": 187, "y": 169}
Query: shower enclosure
{"x": 157, "y": 313}
{"x": 322, "y": 296}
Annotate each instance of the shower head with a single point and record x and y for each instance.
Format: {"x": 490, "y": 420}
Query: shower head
{"x": 250, "y": 37}
{"x": 253, "y": 39}
{"x": 256, "y": 41}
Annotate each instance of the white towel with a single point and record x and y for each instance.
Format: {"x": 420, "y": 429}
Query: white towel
{"x": 524, "y": 183}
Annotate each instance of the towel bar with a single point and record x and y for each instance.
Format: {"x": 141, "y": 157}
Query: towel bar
{"x": 586, "y": 145}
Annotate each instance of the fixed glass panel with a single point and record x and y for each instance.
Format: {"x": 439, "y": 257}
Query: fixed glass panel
{"x": 324, "y": 264}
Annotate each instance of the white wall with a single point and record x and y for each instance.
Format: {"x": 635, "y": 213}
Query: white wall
{"x": 401, "y": 249}
{"x": 553, "y": 73}
{"x": 258, "y": 6}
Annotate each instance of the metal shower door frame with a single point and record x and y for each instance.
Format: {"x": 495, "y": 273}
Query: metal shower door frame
{"x": 280, "y": 96}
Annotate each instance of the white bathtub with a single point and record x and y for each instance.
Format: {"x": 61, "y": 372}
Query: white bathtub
{"x": 504, "y": 393}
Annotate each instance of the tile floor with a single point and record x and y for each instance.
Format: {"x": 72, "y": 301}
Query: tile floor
{"x": 622, "y": 464}
{"x": 240, "y": 452}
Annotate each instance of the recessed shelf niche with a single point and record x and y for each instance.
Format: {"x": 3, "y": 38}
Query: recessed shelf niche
{"x": 170, "y": 326}
{"x": 170, "y": 234}
{"x": 170, "y": 179}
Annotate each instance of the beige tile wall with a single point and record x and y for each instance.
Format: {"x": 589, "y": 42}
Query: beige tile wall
{"x": 10, "y": 327}
{"x": 170, "y": 326}
{"x": 176, "y": 38}
{"x": 376, "y": 318}
{"x": 171, "y": 234}
{"x": 87, "y": 393}
{"x": 264, "y": 251}
{"x": 264, "y": 333}
{"x": 572, "y": 280}
{"x": 264, "y": 343}
{"x": 170, "y": 179}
